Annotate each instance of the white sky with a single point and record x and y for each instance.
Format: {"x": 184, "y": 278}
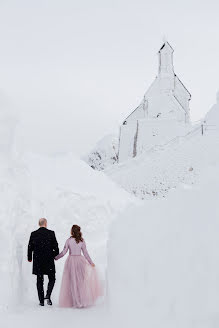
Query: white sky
{"x": 75, "y": 69}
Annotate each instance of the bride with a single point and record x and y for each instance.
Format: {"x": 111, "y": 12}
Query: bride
{"x": 80, "y": 283}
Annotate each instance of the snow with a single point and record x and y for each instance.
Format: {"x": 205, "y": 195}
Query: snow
{"x": 31, "y": 316}
{"x": 163, "y": 258}
{"x": 137, "y": 137}
{"x": 163, "y": 255}
{"x": 104, "y": 154}
{"x": 66, "y": 191}
{"x": 157, "y": 257}
{"x": 164, "y": 167}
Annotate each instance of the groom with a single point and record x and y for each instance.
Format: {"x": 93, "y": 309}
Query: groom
{"x": 44, "y": 247}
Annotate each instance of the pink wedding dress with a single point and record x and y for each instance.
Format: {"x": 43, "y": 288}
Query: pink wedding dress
{"x": 80, "y": 285}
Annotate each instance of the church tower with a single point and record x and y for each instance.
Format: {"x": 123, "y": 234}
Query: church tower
{"x": 166, "y": 59}
{"x": 166, "y": 69}
{"x": 163, "y": 113}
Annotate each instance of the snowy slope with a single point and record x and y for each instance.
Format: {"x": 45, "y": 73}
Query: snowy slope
{"x": 164, "y": 261}
{"x": 162, "y": 168}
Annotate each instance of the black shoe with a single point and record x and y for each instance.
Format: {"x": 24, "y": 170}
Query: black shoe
{"x": 49, "y": 302}
{"x": 41, "y": 303}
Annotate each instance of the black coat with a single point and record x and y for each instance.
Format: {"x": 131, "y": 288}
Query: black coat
{"x": 44, "y": 247}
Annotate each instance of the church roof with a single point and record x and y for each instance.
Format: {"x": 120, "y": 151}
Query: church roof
{"x": 179, "y": 85}
{"x": 183, "y": 86}
{"x": 166, "y": 43}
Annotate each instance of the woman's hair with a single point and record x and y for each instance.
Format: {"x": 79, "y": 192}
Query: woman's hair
{"x": 76, "y": 233}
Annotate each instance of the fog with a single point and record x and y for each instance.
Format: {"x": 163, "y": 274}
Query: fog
{"x": 72, "y": 70}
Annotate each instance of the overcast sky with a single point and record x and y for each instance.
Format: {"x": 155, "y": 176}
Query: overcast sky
{"x": 73, "y": 70}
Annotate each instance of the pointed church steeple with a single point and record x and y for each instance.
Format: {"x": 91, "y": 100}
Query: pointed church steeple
{"x": 166, "y": 59}
{"x": 163, "y": 113}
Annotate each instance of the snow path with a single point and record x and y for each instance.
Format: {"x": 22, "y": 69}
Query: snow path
{"x": 34, "y": 316}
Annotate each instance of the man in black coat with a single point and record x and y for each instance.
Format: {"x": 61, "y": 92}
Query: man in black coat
{"x": 44, "y": 247}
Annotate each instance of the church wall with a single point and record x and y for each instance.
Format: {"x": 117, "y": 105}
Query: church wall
{"x": 163, "y": 113}
{"x": 163, "y": 107}
{"x": 166, "y": 82}
{"x": 126, "y": 143}
{"x": 139, "y": 113}
{"x": 158, "y": 132}
{"x": 182, "y": 94}
{"x": 212, "y": 117}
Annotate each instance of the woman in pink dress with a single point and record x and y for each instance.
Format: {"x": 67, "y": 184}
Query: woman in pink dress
{"x": 80, "y": 283}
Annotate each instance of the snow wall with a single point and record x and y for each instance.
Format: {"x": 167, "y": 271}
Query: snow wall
{"x": 164, "y": 260}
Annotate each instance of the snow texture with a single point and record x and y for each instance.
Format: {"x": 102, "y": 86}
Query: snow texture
{"x": 163, "y": 258}
{"x": 105, "y": 153}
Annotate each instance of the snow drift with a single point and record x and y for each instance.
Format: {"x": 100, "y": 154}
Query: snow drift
{"x": 105, "y": 153}
{"x": 164, "y": 260}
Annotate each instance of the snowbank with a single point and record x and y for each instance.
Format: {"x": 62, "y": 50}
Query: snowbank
{"x": 105, "y": 153}
{"x": 164, "y": 261}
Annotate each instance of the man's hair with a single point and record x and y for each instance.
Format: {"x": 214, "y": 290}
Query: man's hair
{"x": 42, "y": 222}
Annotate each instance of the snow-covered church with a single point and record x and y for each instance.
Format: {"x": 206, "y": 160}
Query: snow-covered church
{"x": 162, "y": 115}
